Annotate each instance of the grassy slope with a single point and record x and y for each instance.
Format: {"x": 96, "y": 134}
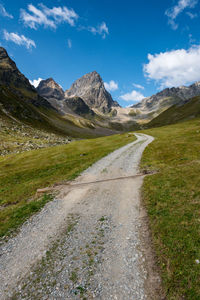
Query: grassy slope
{"x": 22, "y": 174}
{"x": 45, "y": 118}
{"x": 172, "y": 198}
{"x": 176, "y": 114}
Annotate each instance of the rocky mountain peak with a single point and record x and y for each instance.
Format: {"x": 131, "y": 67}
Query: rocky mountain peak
{"x": 10, "y": 75}
{"x": 91, "y": 89}
{"x": 50, "y": 89}
{"x": 3, "y": 53}
{"x": 5, "y": 61}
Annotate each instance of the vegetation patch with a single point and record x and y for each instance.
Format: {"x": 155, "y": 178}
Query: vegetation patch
{"x": 172, "y": 199}
{"x": 22, "y": 174}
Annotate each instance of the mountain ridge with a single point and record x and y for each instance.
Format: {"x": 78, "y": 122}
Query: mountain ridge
{"x": 150, "y": 107}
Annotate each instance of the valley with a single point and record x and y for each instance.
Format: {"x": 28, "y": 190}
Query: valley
{"x": 109, "y": 221}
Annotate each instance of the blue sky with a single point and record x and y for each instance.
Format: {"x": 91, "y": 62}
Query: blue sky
{"x": 138, "y": 47}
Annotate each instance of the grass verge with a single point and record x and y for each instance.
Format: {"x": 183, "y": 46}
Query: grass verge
{"x": 172, "y": 199}
{"x": 22, "y": 174}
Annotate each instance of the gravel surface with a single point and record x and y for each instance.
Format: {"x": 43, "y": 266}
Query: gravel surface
{"x": 91, "y": 242}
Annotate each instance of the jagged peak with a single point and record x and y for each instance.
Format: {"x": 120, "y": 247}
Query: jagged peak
{"x": 91, "y": 75}
{"x": 3, "y": 52}
{"x": 51, "y": 82}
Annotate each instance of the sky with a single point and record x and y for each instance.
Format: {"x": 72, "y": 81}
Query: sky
{"x": 138, "y": 47}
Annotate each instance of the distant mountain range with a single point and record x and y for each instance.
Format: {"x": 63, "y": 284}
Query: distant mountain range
{"x": 22, "y": 103}
{"x": 90, "y": 88}
{"x": 87, "y": 108}
{"x": 178, "y": 113}
{"x": 151, "y": 107}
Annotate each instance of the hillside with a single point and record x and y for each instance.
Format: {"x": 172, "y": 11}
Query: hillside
{"x": 172, "y": 199}
{"x": 177, "y": 113}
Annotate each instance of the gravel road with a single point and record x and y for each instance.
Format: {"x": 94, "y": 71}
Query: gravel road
{"x": 90, "y": 242}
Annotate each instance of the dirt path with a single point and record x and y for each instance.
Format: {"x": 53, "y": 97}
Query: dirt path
{"x": 91, "y": 242}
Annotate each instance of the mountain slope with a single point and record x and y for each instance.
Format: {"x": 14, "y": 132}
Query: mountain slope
{"x": 151, "y": 107}
{"x": 177, "y": 113}
{"x": 90, "y": 88}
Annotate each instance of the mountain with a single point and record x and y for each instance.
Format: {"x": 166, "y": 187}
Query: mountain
{"x": 55, "y": 95}
{"x": 50, "y": 89}
{"x": 21, "y": 103}
{"x": 177, "y": 113}
{"x": 91, "y": 89}
{"x": 151, "y": 107}
{"x": 17, "y": 82}
{"x": 88, "y": 98}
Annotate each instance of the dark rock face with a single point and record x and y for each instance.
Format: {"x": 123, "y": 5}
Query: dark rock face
{"x": 10, "y": 75}
{"x": 91, "y": 89}
{"x": 78, "y": 106}
{"x": 17, "y": 83}
{"x": 50, "y": 89}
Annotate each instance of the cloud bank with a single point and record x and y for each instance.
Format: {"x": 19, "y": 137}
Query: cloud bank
{"x": 174, "y": 68}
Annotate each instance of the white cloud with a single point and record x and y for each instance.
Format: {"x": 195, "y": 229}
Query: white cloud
{"x": 173, "y": 68}
{"x": 69, "y": 43}
{"x": 48, "y": 17}
{"x": 133, "y": 96}
{"x": 4, "y": 13}
{"x": 173, "y": 12}
{"x": 111, "y": 86}
{"x": 19, "y": 39}
{"x": 191, "y": 15}
{"x": 138, "y": 86}
{"x": 35, "y": 82}
{"x": 101, "y": 29}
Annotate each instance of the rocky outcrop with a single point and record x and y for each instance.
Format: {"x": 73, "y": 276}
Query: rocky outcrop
{"x": 91, "y": 89}
{"x": 50, "y": 89}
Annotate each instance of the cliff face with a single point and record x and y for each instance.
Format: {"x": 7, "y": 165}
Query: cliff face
{"x": 91, "y": 89}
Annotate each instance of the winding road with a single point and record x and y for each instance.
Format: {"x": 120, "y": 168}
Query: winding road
{"x": 90, "y": 242}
